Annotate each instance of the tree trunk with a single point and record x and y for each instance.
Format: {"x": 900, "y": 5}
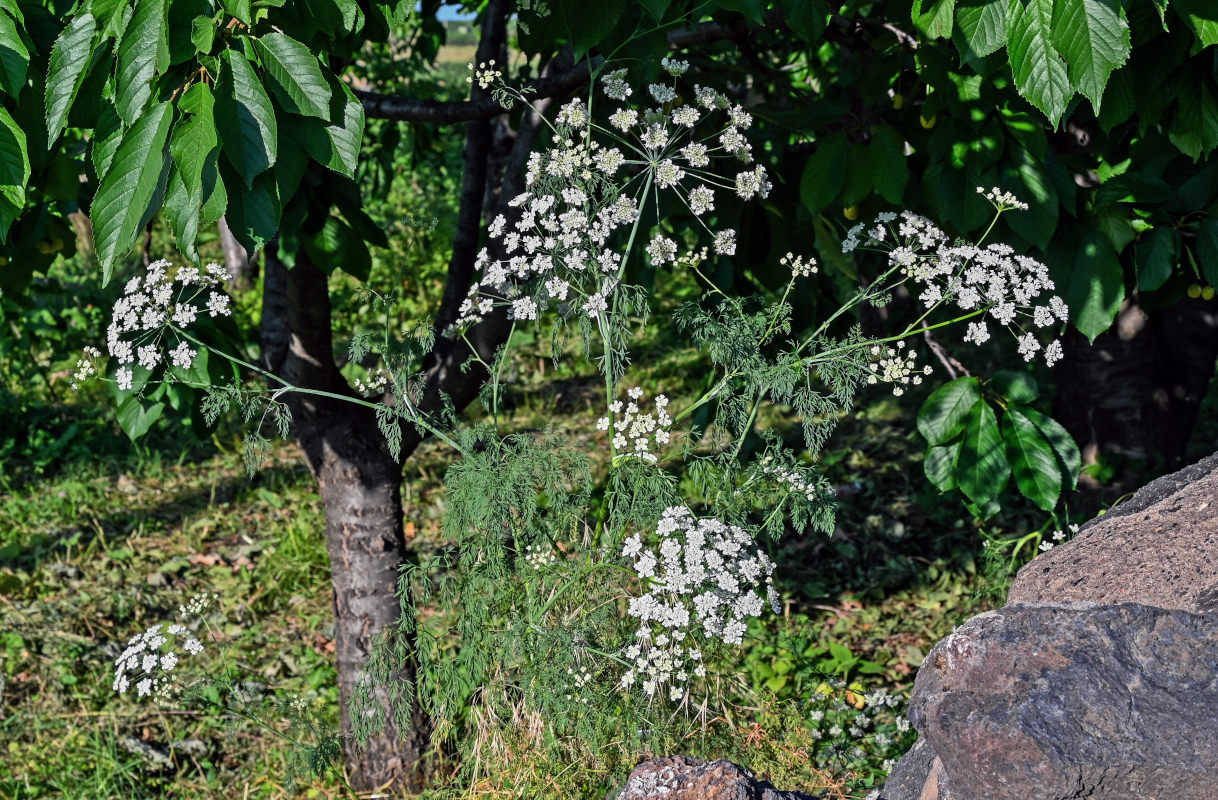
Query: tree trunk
{"x": 242, "y": 270}
{"x": 359, "y": 483}
{"x": 1137, "y": 390}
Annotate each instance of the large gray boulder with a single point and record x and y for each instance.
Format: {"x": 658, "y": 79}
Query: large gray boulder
{"x": 1099, "y": 679}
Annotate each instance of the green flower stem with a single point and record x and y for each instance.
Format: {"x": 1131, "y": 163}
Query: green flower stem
{"x": 287, "y": 387}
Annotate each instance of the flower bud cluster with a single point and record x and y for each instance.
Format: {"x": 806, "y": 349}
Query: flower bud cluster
{"x": 791, "y": 479}
{"x": 992, "y": 278}
{"x": 486, "y": 75}
{"x": 592, "y": 182}
{"x": 800, "y": 267}
{"x": 634, "y": 432}
{"x": 703, "y": 574}
{"x": 895, "y": 366}
{"x": 156, "y": 304}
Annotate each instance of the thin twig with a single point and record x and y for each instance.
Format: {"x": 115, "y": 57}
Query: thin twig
{"x": 949, "y": 363}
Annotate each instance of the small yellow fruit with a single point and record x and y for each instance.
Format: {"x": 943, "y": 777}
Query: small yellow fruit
{"x": 851, "y": 212}
{"x": 1194, "y": 291}
{"x": 1207, "y": 293}
{"x": 45, "y": 248}
{"x": 898, "y": 101}
{"x": 927, "y": 123}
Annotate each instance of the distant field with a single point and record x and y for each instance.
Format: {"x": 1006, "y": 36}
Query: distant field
{"x": 457, "y": 54}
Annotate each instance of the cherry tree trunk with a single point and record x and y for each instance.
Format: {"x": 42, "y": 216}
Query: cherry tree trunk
{"x": 359, "y": 484}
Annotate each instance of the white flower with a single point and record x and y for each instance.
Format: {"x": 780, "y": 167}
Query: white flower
{"x": 662, "y": 250}
{"x": 594, "y": 305}
{"x": 184, "y": 314}
{"x": 725, "y": 242}
{"x": 686, "y": 116}
{"x": 524, "y": 308}
{"x": 661, "y": 93}
{"x": 977, "y": 333}
{"x": 123, "y": 377}
{"x": 144, "y": 687}
{"x": 1053, "y": 352}
{"x": 696, "y": 154}
{"x": 169, "y": 661}
{"x": 701, "y": 200}
{"x": 753, "y": 183}
{"x": 193, "y": 646}
{"x": 624, "y": 119}
{"x": 1028, "y": 346}
{"x": 574, "y": 113}
{"x": 182, "y": 355}
{"x": 615, "y": 86}
{"x": 674, "y": 67}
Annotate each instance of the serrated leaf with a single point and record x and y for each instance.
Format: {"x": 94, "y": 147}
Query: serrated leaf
{"x": 590, "y": 23}
{"x": 942, "y": 416}
{"x": 823, "y": 176}
{"x": 253, "y": 214}
{"x": 1039, "y": 71}
{"x": 807, "y": 18}
{"x": 656, "y": 8}
{"x": 934, "y": 18}
{"x": 14, "y": 160}
{"x": 215, "y": 196}
{"x": 294, "y": 72}
{"x": 337, "y": 144}
{"x": 143, "y": 51}
{"x": 982, "y": 25}
{"x": 1062, "y": 443}
{"x": 1094, "y": 38}
{"x": 336, "y": 246}
{"x": 1018, "y": 387}
{"x": 14, "y": 57}
{"x": 1201, "y": 17}
{"x": 69, "y": 57}
{"x": 940, "y": 465}
{"x": 126, "y": 192}
{"x": 1207, "y": 249}
{"x": 1156, "y": 258}
{"x": 1096, "y": 286}
{"x": 245, "y": 118}
{"x": 107, "y": 136}
{"x": 1194, "y": 129}
{"x": 982, "y": 468}
{"x": 754, "y": 10}
{"x": 203, "y": 33}
{"x": 194, "y": 141}
{"x": 1032, "y": 463}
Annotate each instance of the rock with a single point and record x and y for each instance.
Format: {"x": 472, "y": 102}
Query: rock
{"x": 917, "y": 776}
{"x": 684, "y": 778}
{"x": 1072, "y": 700}
{"x": 1159, "y": 548}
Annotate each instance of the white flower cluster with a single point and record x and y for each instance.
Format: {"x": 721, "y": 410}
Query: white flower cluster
{"x": 591, "y": 183}
{"x": 791, "y": 479}
{"x": 991, "y": 278}
{"x": 86, "y": 366}
{"x": 703, "y": 573}
{"x": 634, "y": 432}
{"x": 151, "y": 306}
{"x": 1003, "y": 201}
{"x": 145, "y": 662}
{"x": 579, "y": 681}
{"x": 486, "y": 75}
{"x": 895, "y": 366}
{"x": 800, "y": 267}
{"x": 538, "y": 556}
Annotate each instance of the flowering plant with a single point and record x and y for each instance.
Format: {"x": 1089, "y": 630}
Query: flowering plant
{"x": 607, "y": 611}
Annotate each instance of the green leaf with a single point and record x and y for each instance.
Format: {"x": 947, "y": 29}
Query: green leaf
{"x": 337, "y": 145}
{"x": 1096, "y": 286}
{"x": 143, "y": 52}
{"x": 14, "y": 171}
{"x": 69, "y": 57}
{"x": 1032, "y": 463}
{"x": 203, "y": 33}
{"x": 245, "y": 119}
{"x": 807, "y": 18}
{"x": 1156, "y": 258}
{"x": 1094, "y": 37}
{"x": 589, "y": 23}
{"x": 1039, "y": 222}
{"x": 1061, "y": 442}
{"x": 982, "y": 25}
{"x": 889, "y": 169}
{"x": 1194, "y": 129}
{"x": 942, "y": 415}
{"x": 1201, "y": 17}
{"x": 107, "y": 136}
{"x": 14, "y": 57}
{"x": 1039, "y": 71}
{"x": 982, "y": 469}
{"x": 134, "y": 418}
{"x": 294, "y": 72}
{"x": 1207, "y": 249}
{"x": 934, "y": 18}
{"x": 215, "y": 196}
{"x": 129, "y": 186}
{"x": 194, "y": 140}
{"x": 253, "y": 215}
{"x": 753, "y": 9}
{"x": 241, "y": 9}
{"x": 657, "y": 8}
{"x": 823, "y": 175}
{"x": 1018, "y": 387}
{"x": 940, "y": 465}
{"x": 336, "y": 246}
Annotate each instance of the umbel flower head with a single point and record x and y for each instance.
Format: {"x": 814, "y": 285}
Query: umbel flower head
{"x": 593, "y": 181}
{"x": 154, "y": 310}
{"x": 1012, "y": 290}
{"x": 703, "y": 575}
{"x": 151, "y": 656}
